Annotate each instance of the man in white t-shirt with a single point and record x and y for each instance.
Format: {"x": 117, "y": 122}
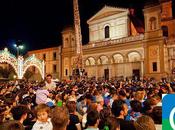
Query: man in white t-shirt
{"x": 50, "y": 85}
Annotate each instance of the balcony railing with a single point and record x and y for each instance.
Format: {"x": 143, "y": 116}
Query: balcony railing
{"x": 113, "y": 42}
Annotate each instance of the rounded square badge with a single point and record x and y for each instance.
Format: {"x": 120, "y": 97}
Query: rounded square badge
{"x": 168, "y": 112}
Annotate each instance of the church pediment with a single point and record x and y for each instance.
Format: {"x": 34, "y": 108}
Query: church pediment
{"x": 106, "y": 12}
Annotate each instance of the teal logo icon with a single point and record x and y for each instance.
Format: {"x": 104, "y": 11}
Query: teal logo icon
{"x": 168, "y": 112}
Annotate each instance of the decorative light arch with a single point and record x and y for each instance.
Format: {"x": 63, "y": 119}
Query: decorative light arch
{"x": 20, "y": 66}
{"x": 33, "y": 61}
{"x": 7, "y": 57}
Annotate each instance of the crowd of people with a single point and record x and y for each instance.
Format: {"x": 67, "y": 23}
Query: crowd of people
{"x": 83, "y": 104}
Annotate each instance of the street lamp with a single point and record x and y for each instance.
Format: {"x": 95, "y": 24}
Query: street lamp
{"x": 18, "y": 47}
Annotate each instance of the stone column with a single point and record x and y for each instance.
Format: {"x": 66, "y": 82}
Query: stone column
{"x": 96, "y": 70}
{"x": 125, "y": 67}
{"x": 170, "y": 68}
{"x": 142, "y": 69}
{"x": 110, "y": 67}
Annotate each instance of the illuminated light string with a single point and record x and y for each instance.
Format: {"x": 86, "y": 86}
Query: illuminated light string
{"x": 20, "y": 66}
{"x": 32, "y": 65}
{"x": 6, "y": 61}
{"x": 6, "y": 57}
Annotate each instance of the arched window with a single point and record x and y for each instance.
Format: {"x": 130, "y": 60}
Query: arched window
{"x": 87, "y": 62}
{"x": 90, "y": 61}
{"x": 66, "y": 41}
{"x": 104, "y": 60}
{"x": 165, "y": 31}
{"x": 107, "y": 32}
{"x": 118, "y": 58}
{"x": 134, "y": 56}
{"x": 152, "y": 22}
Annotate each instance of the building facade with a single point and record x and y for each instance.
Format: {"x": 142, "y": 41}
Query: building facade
{"x": 52, "y": 59}
{"x": 120, "y": 46}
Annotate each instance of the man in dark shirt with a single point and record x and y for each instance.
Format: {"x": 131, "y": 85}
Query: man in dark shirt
{"x": 74, "y": 120}
{"x": 120, "y": 110}
{"x": 74, "y": 123}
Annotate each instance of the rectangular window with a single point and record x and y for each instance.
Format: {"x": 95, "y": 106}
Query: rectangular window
{"x": 106, "y": 74}
{"x": 45, "y": 69}
{"x": 54, "y": 68}
{"x": 165, "y": 31}
{"x": 66, "y": 72}
{"x": 54, "y": 56}
{"x": 154, "y": 66}
{"x": 44, "y": 56}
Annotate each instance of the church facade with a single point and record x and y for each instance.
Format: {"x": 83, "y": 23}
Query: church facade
{"x": 120, "y": 46}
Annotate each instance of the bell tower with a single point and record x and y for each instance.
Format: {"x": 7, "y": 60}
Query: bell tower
{"x": 168, "y": 29}
{"x": 68, "y": 36}
{"x": 152, "y": 17}
{"x": 154, "y": 42}
{"x": 167, "y": 19}
{"x": 68, "y": 39}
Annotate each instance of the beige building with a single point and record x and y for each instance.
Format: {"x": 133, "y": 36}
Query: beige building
{"x": 52, "y": 58}
{"x": 120, "y": 46}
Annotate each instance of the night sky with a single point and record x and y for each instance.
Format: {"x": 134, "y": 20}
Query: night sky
{"x": 37, "y": 22}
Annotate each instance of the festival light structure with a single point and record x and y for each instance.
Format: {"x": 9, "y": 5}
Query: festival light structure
{"x": 78, "y": 62}
{"x": 19, "y": 64}
{"x": 33, "y": 61}
{"x": 6, "y": 57}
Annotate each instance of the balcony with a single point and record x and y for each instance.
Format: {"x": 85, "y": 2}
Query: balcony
{"x": 113, "y": 42}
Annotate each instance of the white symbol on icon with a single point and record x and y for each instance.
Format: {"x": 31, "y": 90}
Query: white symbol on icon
{"x": 171, "y": 118}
